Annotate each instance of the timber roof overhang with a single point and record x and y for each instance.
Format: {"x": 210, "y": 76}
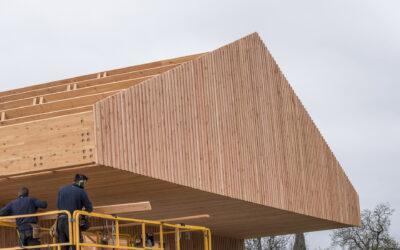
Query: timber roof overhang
{"x": 220, "y": 133}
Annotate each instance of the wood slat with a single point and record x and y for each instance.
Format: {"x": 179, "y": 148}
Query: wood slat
{"x": 96, "y": 89}
{"x": 87, "y": 83}
{"x": 223, "y": 134}
{"x": 58, "y": 113}
{"x": 124, "y": 208}
{"x": 95, "y": 75}
{"x": 53, "y": 99}
{"x": 227, "y": 123}
{"x": 70, "y": 103}
{"x": 115, "y": 209}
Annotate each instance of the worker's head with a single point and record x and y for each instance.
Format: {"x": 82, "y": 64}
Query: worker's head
{"x": 81, "y": 180}
{"x": 23, "y": 192}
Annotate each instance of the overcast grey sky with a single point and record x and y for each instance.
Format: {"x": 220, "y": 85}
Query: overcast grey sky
{"x": 342, "y": 58}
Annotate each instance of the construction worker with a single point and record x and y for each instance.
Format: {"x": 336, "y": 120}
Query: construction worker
{"x": 25, "y": 226}
{"x": 71, "y": 197}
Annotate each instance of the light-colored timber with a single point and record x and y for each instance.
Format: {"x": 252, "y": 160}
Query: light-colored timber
{"x": 40, "y": 146}
{"x": 72, "y": 95}
{"x": 115, "y": 209}
{"x": 75, "y": 80}
{"x": 169, "y": 220}
{"x": 118, "y": 209}
{"x": 220, "y": 134}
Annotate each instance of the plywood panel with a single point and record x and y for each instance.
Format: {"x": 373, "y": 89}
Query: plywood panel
{"x": 230, "y": 124}
{"x": 42, "y": 145}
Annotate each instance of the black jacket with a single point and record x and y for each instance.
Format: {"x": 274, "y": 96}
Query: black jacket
{"x": 23, "y": 205}
{"x": 73, "y": 197}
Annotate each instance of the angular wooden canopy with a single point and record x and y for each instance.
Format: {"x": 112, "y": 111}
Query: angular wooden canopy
{"x": 220, "y": 133}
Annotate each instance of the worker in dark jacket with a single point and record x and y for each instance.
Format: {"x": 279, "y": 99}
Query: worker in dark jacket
{"x": 71, "y": 197}
{"x": 24, "y": 205}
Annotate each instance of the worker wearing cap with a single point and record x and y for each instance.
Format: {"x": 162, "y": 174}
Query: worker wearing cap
{"x": 20, "y": 206}
{"x": 71, "y": 197}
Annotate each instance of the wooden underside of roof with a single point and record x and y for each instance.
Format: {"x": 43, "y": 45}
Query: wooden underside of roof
{"x": 228, "y": 217}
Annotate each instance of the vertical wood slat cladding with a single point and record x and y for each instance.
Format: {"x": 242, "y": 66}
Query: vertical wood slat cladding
{"x": 227, "y": 123}
{"x": 8, "y": 238}
{"x": 218, "y": 243}
{"x": 223, "y": 243}
{"x": 193, "y": 242}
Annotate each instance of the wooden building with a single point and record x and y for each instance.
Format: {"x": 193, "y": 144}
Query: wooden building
{"x": 220, "y": 133}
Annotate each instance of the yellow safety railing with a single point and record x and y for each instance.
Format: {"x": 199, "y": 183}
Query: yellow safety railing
{"x": 5, "y": 221}
{"x": 75, "y": 231}
{"x": 119, "y": 221}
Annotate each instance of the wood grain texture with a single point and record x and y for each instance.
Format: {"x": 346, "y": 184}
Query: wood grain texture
{"x": 229, "y": 217}
{"x": 118, "y": 209}
{"x": 220, "y": 133}
{"x": 195, "y": 242}
{"x": 224, "y": 243}
{"x": 230, "y": 124}
{"x": 97, "y": 75}
{"x": 40, "y": 146}
{"x": 50, "y": 99}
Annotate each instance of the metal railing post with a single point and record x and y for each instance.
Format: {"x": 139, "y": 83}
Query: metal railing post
{"x": 77, "y": 239}
{"x": 161, "y": 236}
{"x": 177, "y": 239}
{"x": 205, "y": 239}
{"x": 74, "y": 231}
{"x": 209, "y": 239}
{"x": 144, "y": 235}
{"x": 117, "y": 231}
{"x": 70, "y": 228}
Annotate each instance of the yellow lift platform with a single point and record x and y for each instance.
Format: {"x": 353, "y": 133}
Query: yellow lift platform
{"x": 110, "y": 232}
